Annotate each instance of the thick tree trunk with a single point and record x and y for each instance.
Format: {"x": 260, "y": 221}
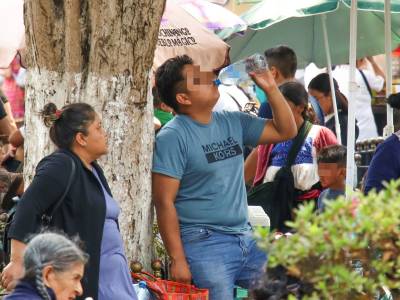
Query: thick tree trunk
{"x": 99, "y": 52}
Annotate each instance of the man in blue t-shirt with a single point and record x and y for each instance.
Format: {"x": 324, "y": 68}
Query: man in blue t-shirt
{"x": 198, "y": 184}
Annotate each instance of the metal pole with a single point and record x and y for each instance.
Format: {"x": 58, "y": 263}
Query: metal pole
{"x": 351, "y": 122}
{"x": 329, "y": 65}
{"x": 389, "y": 128}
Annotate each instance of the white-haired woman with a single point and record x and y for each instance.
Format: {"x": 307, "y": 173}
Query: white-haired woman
{"x": 54, "y": 267}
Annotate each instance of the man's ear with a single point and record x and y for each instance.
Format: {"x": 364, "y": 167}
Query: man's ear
{"x": 274, "y": 71}
{"x": 183, "y": 99}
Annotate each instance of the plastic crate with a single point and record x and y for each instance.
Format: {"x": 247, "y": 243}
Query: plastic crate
{"x": 170, "y": 290}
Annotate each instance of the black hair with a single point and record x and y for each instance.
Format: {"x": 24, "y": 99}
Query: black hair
{"x": 295, "y": 92}
{"x": 278, "y": 285}
{"x": 156, "y": 98}
{"x": 333, "y": 154}
{"x": 3, "y": 97}
{"x": 283, "y": 58}
{"x": 394, "y": 100}
{"x": 322, "y": 84}
{"x": 66, "y": 123}
{"x": 168, "y": 76}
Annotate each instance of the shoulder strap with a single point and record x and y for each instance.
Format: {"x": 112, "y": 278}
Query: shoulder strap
{"x": 234, "y": 99}
{"x": 46, "y": 218}
{"x": 366, "y": 82}
{"x": 298, "y": 142}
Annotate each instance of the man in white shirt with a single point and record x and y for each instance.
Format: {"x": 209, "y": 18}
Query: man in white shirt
{"x": 367, "y": 79}
{"x": 231, "y": 98}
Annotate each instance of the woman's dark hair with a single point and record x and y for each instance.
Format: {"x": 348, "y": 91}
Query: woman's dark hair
{"x": 295, "y": 93}
{"x": 394, "y": 100}
{"x": 168, "y": 76}
{"x": 321, "y": 84}
{"x": 66, "y": 123}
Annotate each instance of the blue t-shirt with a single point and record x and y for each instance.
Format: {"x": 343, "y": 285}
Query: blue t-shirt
{"x": 385, "y": 164}
{"x": 265, "y": 110}
{"x": 326, "y": 195}
{"x": 208, "y": 161}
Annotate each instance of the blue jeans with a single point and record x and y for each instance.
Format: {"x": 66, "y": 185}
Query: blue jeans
{"x": 219, "y": 261}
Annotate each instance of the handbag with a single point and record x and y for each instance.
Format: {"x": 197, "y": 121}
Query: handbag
{"x": 277, "y": 197}
{"x": 45, "y": 220}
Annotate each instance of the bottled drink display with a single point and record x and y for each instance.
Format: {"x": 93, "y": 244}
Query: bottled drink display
{"x": 238, "y": 71}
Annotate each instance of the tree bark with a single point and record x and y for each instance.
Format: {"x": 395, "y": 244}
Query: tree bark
{"x": 99, "y": 52}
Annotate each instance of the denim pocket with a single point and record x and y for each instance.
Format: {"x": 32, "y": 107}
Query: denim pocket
{"x": 195, "y": 235}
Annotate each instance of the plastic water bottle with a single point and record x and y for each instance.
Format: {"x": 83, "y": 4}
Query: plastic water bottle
{"x": 142, "y": 291}
{"x": 238, "y": 71}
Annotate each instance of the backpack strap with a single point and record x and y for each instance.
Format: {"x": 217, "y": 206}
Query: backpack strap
{"x": 298, "y": 142}
{"x": 366, "y": 82}
{"x": 234, "y": 99}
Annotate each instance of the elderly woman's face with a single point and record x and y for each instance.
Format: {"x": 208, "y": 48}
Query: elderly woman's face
{"x": 66, "y": 285}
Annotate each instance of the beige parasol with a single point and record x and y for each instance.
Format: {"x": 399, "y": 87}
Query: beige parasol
{"x": 180, "y": 34}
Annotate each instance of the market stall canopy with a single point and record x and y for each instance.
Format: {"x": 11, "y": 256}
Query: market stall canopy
{"x": 12, "y": 30}
{"x": 298, "y": 24}
{"x": 180, "y": 34}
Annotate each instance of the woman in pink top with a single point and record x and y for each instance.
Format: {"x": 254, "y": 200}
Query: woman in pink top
{"x": 14, "y": 93}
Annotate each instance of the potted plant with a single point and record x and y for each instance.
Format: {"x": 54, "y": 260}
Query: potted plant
{"x": 350, "y": 251}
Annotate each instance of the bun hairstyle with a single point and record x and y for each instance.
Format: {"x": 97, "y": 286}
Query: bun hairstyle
{"x": 394, "y": 100}
{"x": 64, "y": 124}
{"x": 296, "y": 93}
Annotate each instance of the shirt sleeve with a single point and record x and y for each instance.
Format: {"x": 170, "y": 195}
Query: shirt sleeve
{"x": 384, "y": 167}
{"x": 325, "y": 138}
{"x": 46, "y": 188}
{"x": 170, "y": 154}
{"x": 21, "y": 78}
{"x": 375, "y": 81}
{"x": 252, "y": 128}
{"x": 22, "y": 131}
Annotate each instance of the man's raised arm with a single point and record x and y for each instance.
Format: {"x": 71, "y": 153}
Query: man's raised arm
{"x": 283, "y": 126}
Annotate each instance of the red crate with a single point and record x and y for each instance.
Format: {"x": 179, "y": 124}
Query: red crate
{"x": 170, "y": 290}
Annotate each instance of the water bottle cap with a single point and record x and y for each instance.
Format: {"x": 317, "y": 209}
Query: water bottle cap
{"x": 217, "y": 82}
{"x": 143, "y": 284}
